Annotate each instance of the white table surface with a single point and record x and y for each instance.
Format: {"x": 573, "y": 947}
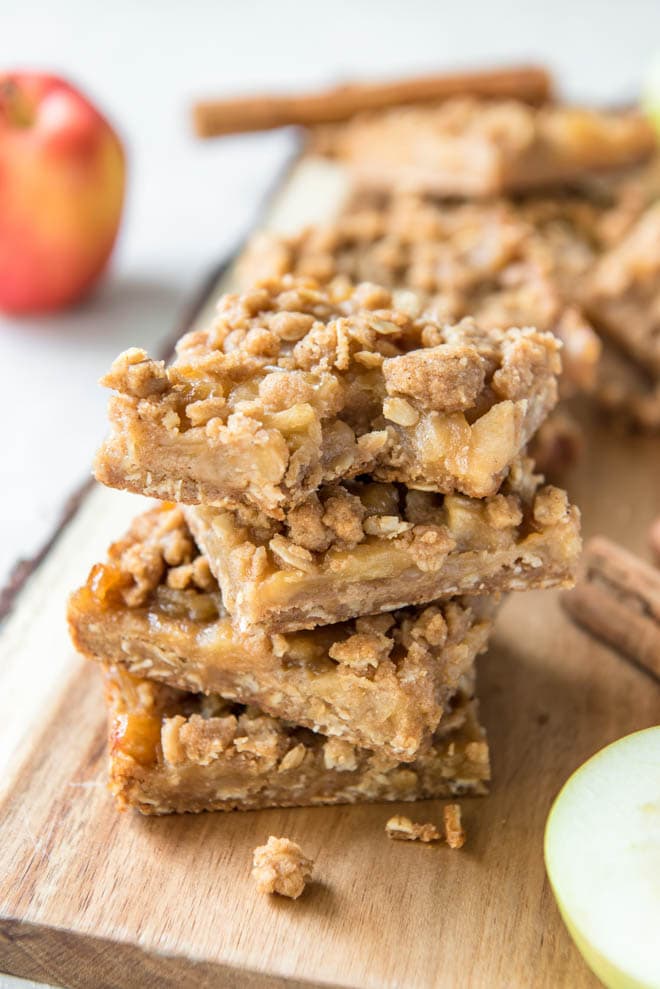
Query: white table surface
{"x": 190, "y": 201}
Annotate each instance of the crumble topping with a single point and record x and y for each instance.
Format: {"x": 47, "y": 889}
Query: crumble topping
{"x": 466, "y": 259}
{"x": 297, "y": 384}
{"x": 196, "y": 738}
{"x": 454, "y": 830}
{"x": 137, "y": 374}
{"x": 158, "y": 559}
{"x": 280, "y": 373}
{"x": 403, "y": 829}
{"x": 505, "y": 264}
{"x": 363, "y": 651}
{"x": 279, "y": 866}
{"x": 449, "y": 378}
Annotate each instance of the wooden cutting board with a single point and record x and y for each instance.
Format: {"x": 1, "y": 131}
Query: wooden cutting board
{"x": 92, "y": 898}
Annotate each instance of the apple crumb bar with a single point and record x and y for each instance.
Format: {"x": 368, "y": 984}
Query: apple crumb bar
{"x": 175, "y": 752}
{"x": 623, "y": 294}
{"x": 364, "y": 546}
{"x": 296, "y": 385}
{"x": 471, "y": 147}
{"x": 380, "y": 682}
{"x": 628, "y": 391}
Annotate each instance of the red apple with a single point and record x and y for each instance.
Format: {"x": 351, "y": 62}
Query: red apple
{"x": 62, "y": 173}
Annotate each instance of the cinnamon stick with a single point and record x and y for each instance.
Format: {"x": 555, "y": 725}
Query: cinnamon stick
{"x": 211, "y": 118}
{"x": 617, "y": 598}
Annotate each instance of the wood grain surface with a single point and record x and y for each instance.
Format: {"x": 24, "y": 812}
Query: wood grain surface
{"x": 92, "y": 898}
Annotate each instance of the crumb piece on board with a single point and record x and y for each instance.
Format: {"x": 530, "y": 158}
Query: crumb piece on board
{"x": 403, "y": 829}
{"x": 279, "y": 866}
{"x": 454, "y": 831}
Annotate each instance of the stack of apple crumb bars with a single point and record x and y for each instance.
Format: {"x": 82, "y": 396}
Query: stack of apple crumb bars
{"x": 345, "y": 493}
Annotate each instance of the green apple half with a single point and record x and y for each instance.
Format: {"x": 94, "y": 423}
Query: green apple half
{"x": 651, "y": 94}
{"x": 602, "y": 853}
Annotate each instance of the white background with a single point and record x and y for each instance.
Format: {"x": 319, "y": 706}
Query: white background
{"x": 189, "y": 202}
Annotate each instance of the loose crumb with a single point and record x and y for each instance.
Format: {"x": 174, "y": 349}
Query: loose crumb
{"x": 403, "y": 829}
{"x": 454, "y": 831}
{"x": 279, "y": 866}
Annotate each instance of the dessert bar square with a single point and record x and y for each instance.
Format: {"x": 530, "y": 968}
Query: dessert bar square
{"x": 623, "y": 294}
{"x": 175, "y": 752}
{"x": 380, "y": 682}
{"x": 471, "y": 147}
{"x": 295, "y": 385}
{"x": 627, "y": 390}
{"x": 363, "y": 547}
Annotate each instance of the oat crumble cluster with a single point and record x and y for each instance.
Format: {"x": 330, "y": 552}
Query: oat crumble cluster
{"x": 279, "y": 866}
